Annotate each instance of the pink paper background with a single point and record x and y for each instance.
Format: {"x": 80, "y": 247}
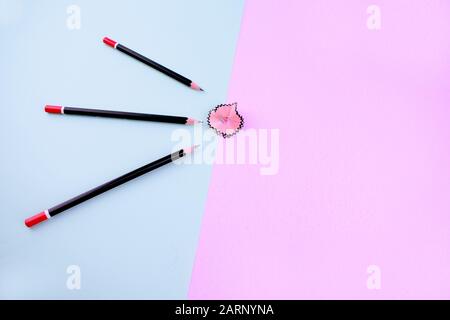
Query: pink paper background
{"x": 364, "y": 156}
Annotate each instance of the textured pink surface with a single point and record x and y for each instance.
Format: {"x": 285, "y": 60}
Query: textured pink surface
{"x": 364, "y": 156}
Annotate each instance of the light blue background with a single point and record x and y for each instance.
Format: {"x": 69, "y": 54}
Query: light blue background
{"x": 138, "y": 240}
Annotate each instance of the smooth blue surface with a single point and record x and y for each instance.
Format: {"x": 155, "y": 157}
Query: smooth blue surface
{"x": 138, "y": 240}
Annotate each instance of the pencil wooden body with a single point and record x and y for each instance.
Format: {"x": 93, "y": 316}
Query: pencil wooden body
{"x": 124, "y": 115}
{"x": 114, "y": 183}
{"x": 154, "y": 65}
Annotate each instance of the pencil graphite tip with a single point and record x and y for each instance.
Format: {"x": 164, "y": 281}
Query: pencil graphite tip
{"x": 191, "y": 121}
{"x": 196, "y": 87}
{"x": 190, "y": 149}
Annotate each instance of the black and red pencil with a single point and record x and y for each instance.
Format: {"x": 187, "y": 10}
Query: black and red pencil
{"x": 151, "y": 63}
{"x": 120, "y": 115}
{"x": 47, "y": 214}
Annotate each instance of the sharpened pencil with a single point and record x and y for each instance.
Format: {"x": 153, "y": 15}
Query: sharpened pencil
{"x": 119, "y": 115}
{"x": 151, "y": 63}
{"x": 47, "y": 214}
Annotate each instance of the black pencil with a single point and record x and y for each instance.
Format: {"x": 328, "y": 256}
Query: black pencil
{"x": 47, "y": 214}
{"x": 120, "y": 115}
{"x": 152, "y": 63}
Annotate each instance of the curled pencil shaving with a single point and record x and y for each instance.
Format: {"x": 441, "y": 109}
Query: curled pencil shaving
{"x": 225, "y": 120}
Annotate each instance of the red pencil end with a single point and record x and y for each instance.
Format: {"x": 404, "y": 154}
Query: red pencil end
{"x": 109, "y": 42}
{"x": 37, "y": 218}
{"x": 53, "y": 109}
